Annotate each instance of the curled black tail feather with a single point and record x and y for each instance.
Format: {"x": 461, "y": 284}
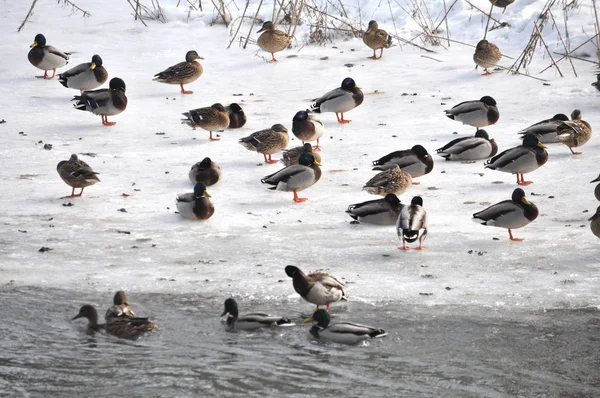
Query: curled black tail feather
{"x": 284, "y": 321}
{"x": 378, "y": 333}
{"x": 410, "y": 235}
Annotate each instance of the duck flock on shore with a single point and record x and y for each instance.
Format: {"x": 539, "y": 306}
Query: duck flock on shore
{"x": 396, "y": 171}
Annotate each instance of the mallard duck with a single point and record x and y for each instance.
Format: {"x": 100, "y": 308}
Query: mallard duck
{"x": 469, "y": 148}
{"x": 292, "y": 155}
{"x": 575, "y": 132}
{"x": 267, "y": 141}
{"x": 597, "y": 189}
{"x": 481, "y": 113}
{"x": 124, "y": 327}
{"x": 251, "y": 321}
{"x": 595, "y": 223}
{"x": 77, "y": 174}
{"x": 206, "y": 171}
{"x": 196, "y": 205}
{"x": 502, "y": 3}
{"x": 86, "y": 76}
{"x": 182, "y": 73}
{"x": 212, "y": 118}
{"x": 237, "y": 117}
{"x": 415, "y": 161}
{"x": 307, "y": 127}
{"x": 120, "y": 306}
{"x": 379, "y": 211}
{"x": 340, "y": 100}
{"x": 46, "y": 57}
{"x": 411, "y": 221}
{"x": 342, "y": 332}
{"x": 521, "y": 159}
{"x": 272, "y": 40}
{"x": 104, "y": 102}
{"x": 597, "y": 82}
{"x": 510, "y": 214}
{"x": 392, "y": 180}
{"x": 545, "y": 131}
{"x": 487, "y": 55}
{"x": 296, "y": 177}
{"x": 376, "y": 39}
{"x": 318, "y": 288}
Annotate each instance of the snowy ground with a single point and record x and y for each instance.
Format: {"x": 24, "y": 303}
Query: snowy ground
{"x": 254, "y": 233}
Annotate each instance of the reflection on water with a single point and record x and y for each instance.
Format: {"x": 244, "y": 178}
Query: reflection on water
{"x": 430, "y": 351}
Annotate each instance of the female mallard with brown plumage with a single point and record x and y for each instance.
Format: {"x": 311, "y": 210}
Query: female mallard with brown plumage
{"x": 318, "y": 288}
{"x": 376, "y": 39}
{"x": 273, "y": 40}
{"x": 267, "y": 141}
{"x": 212, "y": 118}
{"x": 307, "y": 127}
{"x": 124, "y": 327}
{"x": 86, "y": 76}
{"x": 575, "y": 132}
{"x": 205, "y": 171}
{"x": 104, "y": 102}
{"x": 77, "y": 174}
{"x": 393, "y": 180}
{"x": 237, "y": 117}
{"x": 292, "y": 155}
{"x": 182, "y": 73}
{"x": 487, "y": 55}
{"x": 46, "y": 57}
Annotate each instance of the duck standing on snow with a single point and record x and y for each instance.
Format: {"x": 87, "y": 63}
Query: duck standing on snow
{"x": 206, "y": 171}
{"x": 251, "y": 321}
{"x": 272, "y": 40}
{"x": 545, "y": 131}
{"x": 393, "y": 180}
{"x": 342, "y": 332}
{"x": 376, "y": 39}
{"x": 487, "y": 55}
{"x": 77, "y": 174}
{"x": 237, "y": 117}
{"x": 307, "y": 128}
{"x": 86, "y": 76}
{"x": 510, "y": 214}
{"x": 411, "y": 221}
{"x": 521, "y": 159}
{"x": 212, "y": 118}
{"x": 595, "y": 223}
{"x": 340, "y": 100}
{"x": 575, "y": 132}
{"x": 292, "y": 155}
{"x": 104, "y": 102}
{"x": 480, "y": 113}
{"x": 182, "y": 73}
{"x": 597, "y": 189}
{"x": 268, "y": 141}
{"x": 469, "y": 148}
{"x": 379, "y": 212}
{"x": 196, "y": 205}
{"x": 297, "y": 177}
{"x": 415, "y": 161}
{"x": 318, "y": 288}
{"x": 46, "y": 57}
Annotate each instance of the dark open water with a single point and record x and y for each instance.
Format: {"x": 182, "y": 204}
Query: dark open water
{"x": 430, "y": 351}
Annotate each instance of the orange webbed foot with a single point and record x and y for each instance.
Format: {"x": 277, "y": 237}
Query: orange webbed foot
{"x": 317, "y": 149}
{"x": 405, "y": 248}
{"x": 525, "y": 182}
{"x": 416, "y": 183}
{"x": 300, "y": 200}
{"x": 271, "y": 161}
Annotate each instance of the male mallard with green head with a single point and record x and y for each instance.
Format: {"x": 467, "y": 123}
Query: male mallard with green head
{"x": 77, "y": 174}
{"x": 272, "y": 40}
{"x": 306, "y": 127}
{"x": 212, "y": 118}
{"x": 521, "y": 159}
{"x": 195, "y": 205}
{"x": 376, "y": 39}
{"x": 268, "y": 141}
{"x": 477, "y": 113}
{"x": 411, "y": 221}
{"x": 297, "y": 177}
{"x": 86, "y": 76}
{"x": 342, "y": 332}
{"x": 339, "y": 100}
{"x": 487, "y": 55}
{"x": 237, "y": 117}
{"x": 383, "y": 211}
{"x": 292, "y": 155}
{"x": 510, "y": 214}
{"x": 46, "y": 57}
{"x": 469, "y": 148}
{"x": 575, "y": 132}
{"x": 183, "y": 73}
{"x": 104, "y": 102}
{"x": 252, "y": 321}
{"x": 393, "y": 180}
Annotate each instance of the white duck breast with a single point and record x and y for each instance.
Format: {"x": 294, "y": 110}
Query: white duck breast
{"x": 516, "y": 160}
{"x": 347, "y": 333}
{"x": 504, "y": 214}
{"x": 323, "y": 293}
{"x": 53, "y": 59}
{"x": 185, "y": 206}
{"x": 468, "y": 148}
{"x": 337, "y": 100}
